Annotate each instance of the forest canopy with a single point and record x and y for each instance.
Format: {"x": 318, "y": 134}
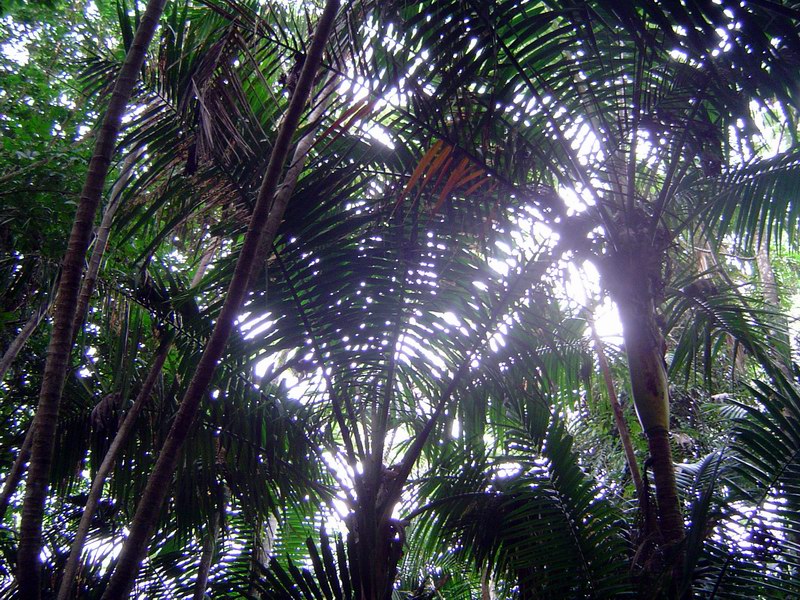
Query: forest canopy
{"x": 403, "y": 299}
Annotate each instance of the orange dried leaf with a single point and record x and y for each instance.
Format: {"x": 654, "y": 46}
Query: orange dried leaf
{"x": 420, "y": 168}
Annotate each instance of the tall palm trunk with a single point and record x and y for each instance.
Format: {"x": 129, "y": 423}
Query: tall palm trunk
{"x": 263, "y": 545}
{"x": 18, "y": 468}
{"x": 100, "y": 244}
{"x": 635, "y": 282}
{"x": 266, "y": 217}
{"x": 379, "y": 545}
{"x": 120, "y": 439}
{"x": 46, "y": 419}
{"x": 210, "y": 543}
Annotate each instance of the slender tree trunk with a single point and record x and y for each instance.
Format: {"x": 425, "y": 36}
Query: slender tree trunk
{"x": 58, "y": 353}
{"x": 264, "y": 222}
{"x": 769, "y": 288}
{"x": 487, "y": 584}
{"x": 100, "y": 244}
{"x": 210, "y": 545}
{"x": 205, "y": 262}
{"x": 15, "y": 474}
{"x": 10, "y": 355}
{"x": 124, "y": 433}
{"x": 622, "y": 426}
{"x": 262, "y": 549}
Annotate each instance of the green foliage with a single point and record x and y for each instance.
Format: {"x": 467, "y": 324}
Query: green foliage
{"x": 414, "y": 287}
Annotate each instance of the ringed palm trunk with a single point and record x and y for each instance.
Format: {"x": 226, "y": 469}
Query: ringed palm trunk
{"x": 266, "y": 217}
{"x": 58, "y": 353}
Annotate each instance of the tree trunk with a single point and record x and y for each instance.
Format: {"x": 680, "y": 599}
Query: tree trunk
{"x": 125, "y": 430}
{"x": 622, "y": 428}
{"x": 263, "y": 543}
{"x": 100, "y": 244}
{"x": 633, "y": 277}
{"x": 210, "y": 544}
{"x": 266, "y": 217}
{"x": 18, "y": 468}
{"x": 769, "y": 288}
{"x": 15, "y": 474}
{"x": 58, "y": 353}
{"x": 10, "y": 355}
{"x": 205, "y": 262}
{"x": 644, "y": 346}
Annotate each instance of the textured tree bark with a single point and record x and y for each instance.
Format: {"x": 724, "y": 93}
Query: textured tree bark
{"x": 124, "y": 433}
{"x": 46, "y": 419}
{"x": 266, "y": 217}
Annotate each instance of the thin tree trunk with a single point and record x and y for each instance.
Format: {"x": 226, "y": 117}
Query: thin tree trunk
{"x": 10, "y": 355}
{"x": 769, "y": 288}
{"x": 58, "y": 353}
{"x": 15, "y": 474}
{"x": 487, "y": 584}
{"x": 262, "y": 549}
{"x": 622, "y": 425}
{"x": 205, "y": 261}
{"x": 210, "y": 545}
{"x": 124, "y": 433}
{"x": 264, "y": 222}
{"x": 100, "y": 244}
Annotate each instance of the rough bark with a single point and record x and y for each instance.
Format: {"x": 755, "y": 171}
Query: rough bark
{"x": 10, "y": 355}
{"x": 267, "y": 215}
{"x": 58, "y": 353}
{"x": 122, "y": 437}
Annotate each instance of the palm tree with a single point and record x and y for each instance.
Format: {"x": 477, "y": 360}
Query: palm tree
{"x": 404, "y": 295}
{"x": 649, "y": 97}
{"x": 267, "y": 214}
{"x": 46, "y": 419}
